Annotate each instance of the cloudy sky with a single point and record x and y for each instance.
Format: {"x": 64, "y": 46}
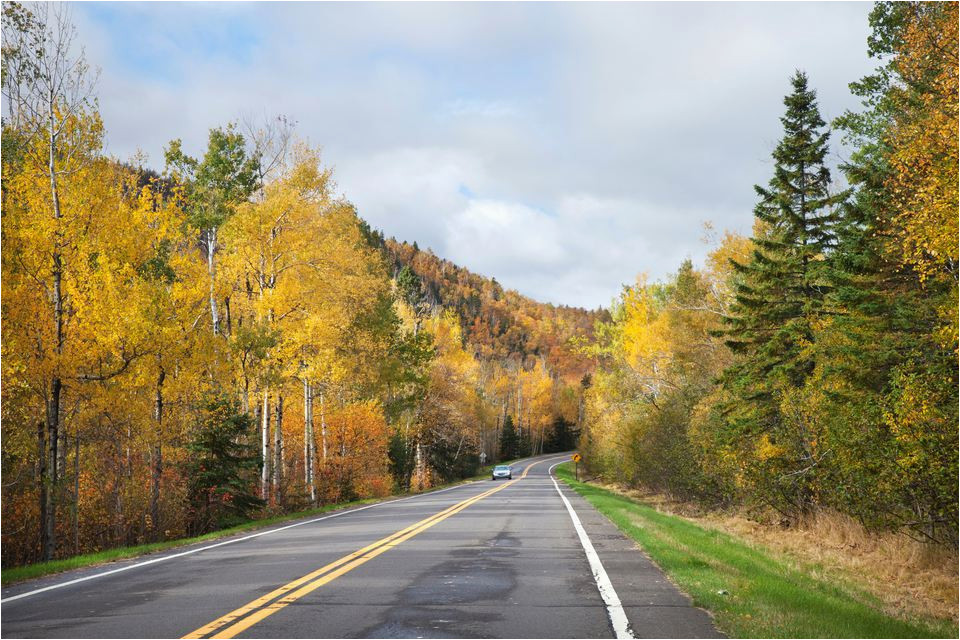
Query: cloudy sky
{"x": 561, "y": 148}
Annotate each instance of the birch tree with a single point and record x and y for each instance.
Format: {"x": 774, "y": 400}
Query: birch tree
{"x": 49, "y": 90}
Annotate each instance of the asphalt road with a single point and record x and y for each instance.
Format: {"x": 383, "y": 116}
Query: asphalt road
{"x": 486, "y": 559}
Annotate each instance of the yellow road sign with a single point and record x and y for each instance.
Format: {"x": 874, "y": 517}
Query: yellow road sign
{"x": 576, "y": 457}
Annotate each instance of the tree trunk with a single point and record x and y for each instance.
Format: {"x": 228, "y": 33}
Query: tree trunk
{"x": 42, "y": 474}
{"x": 157, "y": 457}
{"x": 211, "y": 242}
{"x": 419, "y": 466}
{"x": 62, "y": 450}
{"x": 308, "y": 443}
{"x": 246, "y": 394}
{"x": 265, "y": 476}
{"x": 323, "y": 429}
{"x": 278, "y": 452}
{"x": 49, "y": 543}
{"x": 76, "y": 494}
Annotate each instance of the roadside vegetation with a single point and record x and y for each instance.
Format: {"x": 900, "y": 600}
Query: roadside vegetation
{"x": 222, "y": 338}
{"x": 27, "y": 572}
{"x": 752, "y": 591}
{"x": 812, "y": 367}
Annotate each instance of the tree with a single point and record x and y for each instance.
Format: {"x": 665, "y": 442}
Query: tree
{"x": 922, "y": 179}
{"x": 222, "y": 468}
{"x": 49, "y": 93}
{"x": 509, "y": 441}
{"x": 779, "y": 301}
{"x": 888, "y": 351}
{"x": 214, "y": 187}
{"x": 359, "y": 439}
{"x": 563, "y": 437}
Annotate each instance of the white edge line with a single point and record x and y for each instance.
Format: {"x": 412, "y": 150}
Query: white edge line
{"x": 618, "y": 617}
{"x": 225, "y": 542}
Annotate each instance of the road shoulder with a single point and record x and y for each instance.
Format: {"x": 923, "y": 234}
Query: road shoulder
{"x": 655, "y": 607}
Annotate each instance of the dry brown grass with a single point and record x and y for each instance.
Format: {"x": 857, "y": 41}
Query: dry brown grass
{"x": 910, "y": 578}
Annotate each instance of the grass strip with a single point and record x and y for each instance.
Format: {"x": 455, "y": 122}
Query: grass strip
{"x": 13, "y": 575}
{"x": 752, "y": 592}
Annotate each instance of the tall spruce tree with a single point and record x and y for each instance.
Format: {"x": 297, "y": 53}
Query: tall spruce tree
{"x": 779, "y": 296}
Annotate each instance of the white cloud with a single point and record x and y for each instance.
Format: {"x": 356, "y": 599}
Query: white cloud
{"x": 561, "y": 148}
{"x": 492, "y": 234}
{"x": 410, "y": 192}
{"x": 576, "y": 253}
{"x": 462, "y": 107}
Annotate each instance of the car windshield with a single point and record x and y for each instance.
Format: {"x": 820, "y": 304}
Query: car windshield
{"x": 501, "y": 468}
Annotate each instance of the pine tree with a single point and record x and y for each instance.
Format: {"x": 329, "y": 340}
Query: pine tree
{"x": 779, "y": 297}
{"x": 509, "y": 441}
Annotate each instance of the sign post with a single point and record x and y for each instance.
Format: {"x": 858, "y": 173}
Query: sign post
{"x": 483, "y": 458}
{"x": 576, "y": 465}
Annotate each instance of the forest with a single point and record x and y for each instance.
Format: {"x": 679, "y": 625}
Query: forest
{"x": 224, "y": 338}
{"x": 812, "y": 365}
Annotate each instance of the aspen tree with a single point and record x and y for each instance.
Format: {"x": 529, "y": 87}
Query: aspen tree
{"x": 49, "y": 88}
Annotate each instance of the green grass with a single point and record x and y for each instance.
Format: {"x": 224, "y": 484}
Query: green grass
{"x": 751, "y": 592}
{"x": 30, "y": 571}
{"x": 27, "y": 572}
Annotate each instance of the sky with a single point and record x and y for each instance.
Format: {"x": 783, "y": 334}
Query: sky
{"x": 563, "y": 148}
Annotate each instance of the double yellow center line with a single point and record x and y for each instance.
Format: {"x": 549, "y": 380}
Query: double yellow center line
{"x": 238, "y": 620}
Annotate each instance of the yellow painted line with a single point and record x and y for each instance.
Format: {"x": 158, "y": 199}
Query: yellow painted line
{"x": 259, "y": 615}
{"x": 259, "y": 602}
{"x": 315, "y": 579}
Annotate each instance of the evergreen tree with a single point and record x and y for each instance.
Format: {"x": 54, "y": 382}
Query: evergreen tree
{"x": 509, "y": 441}
{"x": 409, "y": 286}
{"x": 524, "y": 445}
{"x": 779, "y": 297}
{"x": 223, "y": 467}
{"x": 563, "y": 436}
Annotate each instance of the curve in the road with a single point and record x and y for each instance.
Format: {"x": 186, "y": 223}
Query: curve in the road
{"x": 253, "y": 612}
{"x": 512, "y": 563}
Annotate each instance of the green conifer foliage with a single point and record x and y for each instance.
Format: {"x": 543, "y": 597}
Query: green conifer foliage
{"x": 509, "y": 441}
{"x": 890, "y": 385}
{"x": 223, "y": 467}
{"x": 779, "y": 301}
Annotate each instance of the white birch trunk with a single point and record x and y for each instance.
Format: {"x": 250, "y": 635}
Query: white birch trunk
{"x": 323, "y": 429}
{"x": 265, "y": 447}
{"x": 308, "y": 441}
{"x": 211, "y": 242}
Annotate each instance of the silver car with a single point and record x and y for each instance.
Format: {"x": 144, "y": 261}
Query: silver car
{"x": 502, "y": 471}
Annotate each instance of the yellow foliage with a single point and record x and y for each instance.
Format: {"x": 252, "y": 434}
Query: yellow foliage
{"x": 924, "y": 159}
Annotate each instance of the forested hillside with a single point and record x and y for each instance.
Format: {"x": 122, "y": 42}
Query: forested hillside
{"x": 499, "y": 324}
{"x": 812, "y": 365}
{"x": 222, "y": 337}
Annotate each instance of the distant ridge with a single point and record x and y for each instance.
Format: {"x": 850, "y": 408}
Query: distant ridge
{"x": 498, "y": 324}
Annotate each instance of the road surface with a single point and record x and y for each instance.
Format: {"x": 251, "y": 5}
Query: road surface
{"x": 526, "y": 558}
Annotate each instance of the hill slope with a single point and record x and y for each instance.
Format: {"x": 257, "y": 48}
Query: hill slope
{"x": 499, "y": 324}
